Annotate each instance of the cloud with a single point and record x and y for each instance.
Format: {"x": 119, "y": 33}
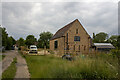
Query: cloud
{"x": 22, "y": 19}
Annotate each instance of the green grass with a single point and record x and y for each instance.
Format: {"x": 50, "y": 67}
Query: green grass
{"x": 2, "y": 57}
{"x": 85, "y": 68}
{"x": 10, "y": 72}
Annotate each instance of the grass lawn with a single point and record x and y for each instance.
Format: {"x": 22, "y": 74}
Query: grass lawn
{"x": 83, "y": 67}
{"x": 10, "y": 72}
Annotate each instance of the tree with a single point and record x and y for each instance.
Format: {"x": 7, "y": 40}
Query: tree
{"x": 13, "y": 40}
{"x": 9, "y": 43}
{"x": 43, "y": 41}
{"x": 113, "y": 40}
{"x": 4, "y": 36}
{"x": 30, "y": 40}
{"x": 100, "y": 37}
{"x": 21, "y": 42}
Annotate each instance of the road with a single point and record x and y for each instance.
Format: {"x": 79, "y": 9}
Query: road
{"x": 22, "y": 69}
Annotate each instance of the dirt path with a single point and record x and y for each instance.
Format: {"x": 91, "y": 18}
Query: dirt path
{"x": 22, "y": 69}
{"x": 5, "y": 63}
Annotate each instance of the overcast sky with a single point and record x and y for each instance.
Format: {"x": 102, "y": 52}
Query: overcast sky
{"x": 22, "y": 19}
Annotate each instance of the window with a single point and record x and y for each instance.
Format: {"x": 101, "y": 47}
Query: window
{"x": 76, "y": 31}
{"x": 77, "y": 38}
{"x": 84, "y": 48}
{"x": 67, "y": 37}
{"x": 79, "y": 47}
{"x": 55, "y": 44}
{"x": 74, "y": 47}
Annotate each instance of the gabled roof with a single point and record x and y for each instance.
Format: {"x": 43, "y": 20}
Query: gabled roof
{"x": 104, "y": 45}
{"x": 61, "y": 31}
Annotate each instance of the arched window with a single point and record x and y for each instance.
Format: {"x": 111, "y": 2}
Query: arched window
{"x": 74, "y": 48}
{"x": 79, "y": 47}
{"x": 76, "y": 31}
{"x": 84, "y": 48}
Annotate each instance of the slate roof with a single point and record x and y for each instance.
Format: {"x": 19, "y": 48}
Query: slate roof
{"x": 104, "y": 45}
{"x": 61, "y": 31}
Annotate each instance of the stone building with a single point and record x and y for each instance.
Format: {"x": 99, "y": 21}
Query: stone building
{"x": 72, "y": 38}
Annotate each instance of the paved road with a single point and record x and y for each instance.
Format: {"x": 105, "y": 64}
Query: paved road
{"x": 22, "y": 69}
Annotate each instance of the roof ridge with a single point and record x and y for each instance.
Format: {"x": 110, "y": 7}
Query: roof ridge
{"x": 62, "y": 30}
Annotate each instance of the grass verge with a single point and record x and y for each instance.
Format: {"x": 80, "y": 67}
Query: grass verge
{"x": 10, "y": 72}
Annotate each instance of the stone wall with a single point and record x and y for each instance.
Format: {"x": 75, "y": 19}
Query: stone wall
{"x": 81, "y": 46}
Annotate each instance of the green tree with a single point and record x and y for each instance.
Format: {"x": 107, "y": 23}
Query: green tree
{"x": 43, "y": 41}
{"x": 9, "y": 43}
{"x": 100, "y": 37}
{"x": 30, "y": 40}
{"x": 4, "y": 36}
{"x": 113, "y": 40}
{"x": 21, "y": 42}
{"x": 13, "y": 40}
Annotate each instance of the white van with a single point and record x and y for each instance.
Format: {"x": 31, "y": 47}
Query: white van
{"x": 33, "y": 49}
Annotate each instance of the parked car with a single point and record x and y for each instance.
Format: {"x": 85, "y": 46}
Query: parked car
{"x": 68, "y": 57}
{"x": 33, "y": 49}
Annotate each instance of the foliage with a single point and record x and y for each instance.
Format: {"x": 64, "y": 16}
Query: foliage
{"x": 4, "y": 36}
{"x": 13, "y": 40}
{"x": 7, "y": 41}
{"x": 116, "y": 52}
{"x": 100, "y": 37}
{"x": 21, "y": 42}
{"x": 44, "y": 39}
{"x": 30, "y": 40}
{"x": 95, "y": 67}
{"x": 113, "y": 40}
{"x": 10, "y": 71}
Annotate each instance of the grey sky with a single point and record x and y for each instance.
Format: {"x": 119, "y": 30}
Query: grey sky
{"x": 22, "y": 19}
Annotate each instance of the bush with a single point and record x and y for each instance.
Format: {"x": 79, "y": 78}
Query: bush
{"x": 116, "y": 52}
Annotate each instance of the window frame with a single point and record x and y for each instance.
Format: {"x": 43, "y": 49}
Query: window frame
{"x": 76, "y": 31}
{"x": 76, "y": 38}
{"x": 55, "y": 44}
